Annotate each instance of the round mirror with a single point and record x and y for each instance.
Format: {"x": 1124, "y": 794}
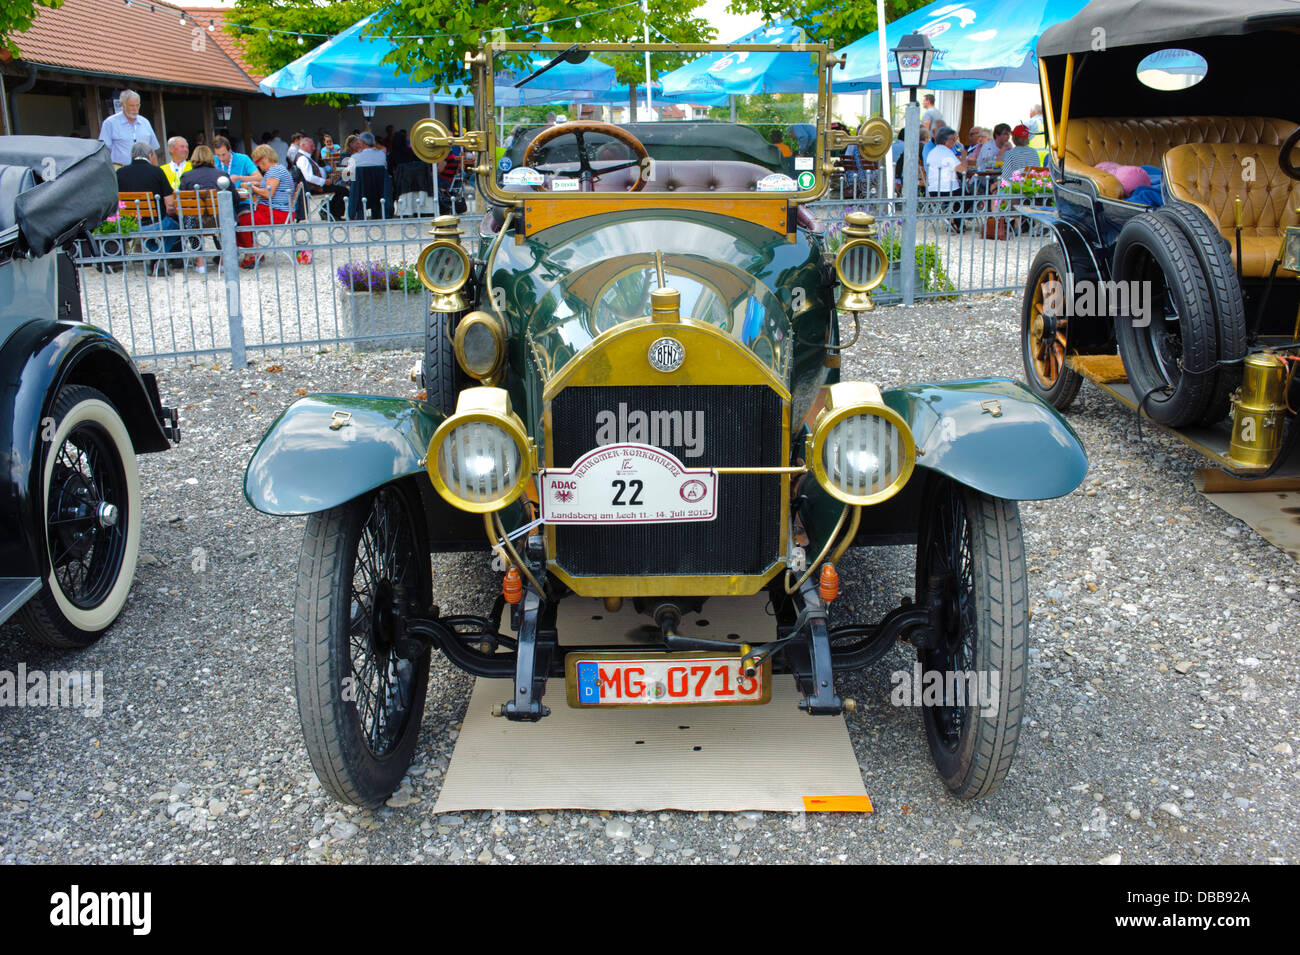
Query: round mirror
{"x": 1172, "y": 69}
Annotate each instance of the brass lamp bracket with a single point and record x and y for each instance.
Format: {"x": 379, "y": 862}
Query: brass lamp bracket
{"x": 873, "y": 140}
{"x": 433, "y": 142}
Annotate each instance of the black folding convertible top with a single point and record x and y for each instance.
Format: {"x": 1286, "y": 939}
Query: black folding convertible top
{"x": 74, "y": 188}
{"x": 1140, "y": 22}
{"x": 1250, "y": 47}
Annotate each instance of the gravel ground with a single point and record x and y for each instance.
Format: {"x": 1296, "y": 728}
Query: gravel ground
{"x": 1159, "y": 708}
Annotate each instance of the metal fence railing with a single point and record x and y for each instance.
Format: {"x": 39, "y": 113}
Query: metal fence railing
{"x": 211, "y": 287}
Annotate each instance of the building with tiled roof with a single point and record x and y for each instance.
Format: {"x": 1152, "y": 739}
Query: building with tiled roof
{"x": 192, "y": 77}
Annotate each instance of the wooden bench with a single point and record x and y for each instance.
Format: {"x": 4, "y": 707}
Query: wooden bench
{"x": 142, "y": 206}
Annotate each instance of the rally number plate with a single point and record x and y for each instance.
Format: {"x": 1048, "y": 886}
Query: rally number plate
{"x": 628, "y": 484}
{"x": 668, "y": 679}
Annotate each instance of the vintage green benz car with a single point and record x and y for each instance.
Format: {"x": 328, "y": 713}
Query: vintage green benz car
{"x": 632, "y": 393}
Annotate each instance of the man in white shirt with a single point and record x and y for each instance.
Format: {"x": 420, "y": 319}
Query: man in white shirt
{"x": 369, "y": 154}
{"x": 941, "y": 169}
{"x": 316, "y": 180}
{"x": 123, "y": 130}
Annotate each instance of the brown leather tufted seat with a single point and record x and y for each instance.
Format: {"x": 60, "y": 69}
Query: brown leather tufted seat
{"x": 1144, "y": 142}
{"x": 1210, "y": 175}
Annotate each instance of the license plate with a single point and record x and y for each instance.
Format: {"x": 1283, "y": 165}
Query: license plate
{"x": 628, "y": 484}
{"x": 666, "y": 679}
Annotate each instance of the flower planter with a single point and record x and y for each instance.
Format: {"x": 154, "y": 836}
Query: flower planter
{"x": 385, "y": 319}
{"x": 893, "y": 280}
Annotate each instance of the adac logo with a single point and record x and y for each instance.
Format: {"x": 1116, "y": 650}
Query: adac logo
{"x": 693, "y": 491}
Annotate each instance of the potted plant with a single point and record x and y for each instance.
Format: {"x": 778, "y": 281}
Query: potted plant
{"x": 384, "y": 304}
{"x": 109, "y": 235}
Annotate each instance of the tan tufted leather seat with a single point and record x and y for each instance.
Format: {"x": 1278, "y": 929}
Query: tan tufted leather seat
{"x": 1144, "y": 142}
{"x": 690, "y": 175}
{"x": 1209, "y": 175}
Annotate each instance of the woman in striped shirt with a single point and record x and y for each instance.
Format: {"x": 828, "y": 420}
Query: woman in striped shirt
{"x": 276, "y": 193}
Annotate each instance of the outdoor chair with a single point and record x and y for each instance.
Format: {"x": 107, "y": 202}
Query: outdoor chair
{"x": 197, "y": 210}
{"x": 372, "y": 194}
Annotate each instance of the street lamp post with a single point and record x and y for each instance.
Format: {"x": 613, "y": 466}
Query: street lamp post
{"x": 913, "y": 56}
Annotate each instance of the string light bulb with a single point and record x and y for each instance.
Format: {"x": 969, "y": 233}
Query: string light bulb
{"x": 211, "y": 26}
{"x": 300, "y": 39}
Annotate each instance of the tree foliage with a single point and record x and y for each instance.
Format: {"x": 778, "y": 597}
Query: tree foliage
{"x": 839, "y": 23}
{"x": 453, "y": 27}
{"x": 15, "y": 17}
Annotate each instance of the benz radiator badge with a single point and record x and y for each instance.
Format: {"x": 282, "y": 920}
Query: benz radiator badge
{"x": 666, "y": 354}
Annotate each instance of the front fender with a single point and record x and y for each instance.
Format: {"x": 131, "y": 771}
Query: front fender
{"x": 37, "y": 359}
{"x": 303, "y": 466}
{"x": 993, "y": 435}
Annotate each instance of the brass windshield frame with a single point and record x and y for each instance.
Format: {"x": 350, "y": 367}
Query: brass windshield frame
{"x": 484, "y": 105}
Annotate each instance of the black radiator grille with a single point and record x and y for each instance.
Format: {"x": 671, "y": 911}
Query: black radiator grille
{"x": 742, "y": 428}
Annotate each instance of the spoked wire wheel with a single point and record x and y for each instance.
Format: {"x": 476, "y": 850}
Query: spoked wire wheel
{"x": 971, "y": 546}
{"x": 91, "y": 497}
{"x": 359, "y": 699}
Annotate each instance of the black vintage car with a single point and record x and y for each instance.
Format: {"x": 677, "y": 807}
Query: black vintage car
{"x": 74, "y": 409}
{"x": 1172, "y": 127}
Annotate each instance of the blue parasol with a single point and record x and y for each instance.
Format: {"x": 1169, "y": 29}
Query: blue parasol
{"x": 978, "y": 43}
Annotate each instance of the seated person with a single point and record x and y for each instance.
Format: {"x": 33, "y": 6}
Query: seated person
{"x": 237, "y": 166}
{"x": 275, "y": 196}
{"x": 1018, "y": 157}
{"x": 316, "y": 181}
{"x": 141, "y": 175}
{"x": 202, "y": 176}
{"x": 368, "y": 154}
{"x": 994, "y": 152}
{"x": 179, "y": 151}
{"x": 943, "y": 168}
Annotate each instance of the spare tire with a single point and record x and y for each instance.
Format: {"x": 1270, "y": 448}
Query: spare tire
{"x": 1215, "y": 256}
{"x": 1170, "y": 352}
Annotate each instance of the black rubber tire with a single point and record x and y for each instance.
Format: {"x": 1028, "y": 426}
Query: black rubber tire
{"x": 1284, "y": 156}
{"x": 986, "y": 629}
{"x": 1172, "y": 356}
{"x": 72, "y": 611}
{"x": 326, "y": 624}
{"x": 1215, "y": 256}
{"x": 443, "y": 378}
{"x": 1048, "y": 342}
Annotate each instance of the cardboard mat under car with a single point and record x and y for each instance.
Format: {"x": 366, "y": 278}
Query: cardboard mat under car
{"x": 716, "y": 758}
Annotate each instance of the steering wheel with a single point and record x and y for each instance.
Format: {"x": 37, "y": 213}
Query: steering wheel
{"x": 1284, "y": 157}
{"x": 587, "y": 176}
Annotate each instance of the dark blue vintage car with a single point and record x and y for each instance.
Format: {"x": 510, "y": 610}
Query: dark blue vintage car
{"x": 1174, "y": 278}
{"x": 74, "y": 409}
{"x": 633, "y": 394}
